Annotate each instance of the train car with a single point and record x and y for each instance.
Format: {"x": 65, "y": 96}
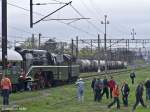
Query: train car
{"x": 14, "y": 64}
{"x": 92, "y": 65}
{"x": 33, "y": 61}
{"x": 85, "y": 65}
{"x": 54, "y": 67}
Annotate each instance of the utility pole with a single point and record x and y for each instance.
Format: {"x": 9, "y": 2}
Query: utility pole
{"x": 4, "y": 34}
{"x": 91, "y": 45}
{"x": 128, "y": 52}
{"x": 32, "y": 41}
{"x": 144, "y": 48}
{"x": 77, "y": 52}
{"x": 72, "y": 47}
{"x": 105, "y": 47}
{"x": 31, "y": 14}
{"x": 99, "y": 69}
{"x": 133, "y": 33}
{"x": 40, "y": 40}
{"x": 110, "y": 50}
{"x": 115, "y": 54}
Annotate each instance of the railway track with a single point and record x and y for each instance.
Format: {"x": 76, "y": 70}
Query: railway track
{"x": 114, "y": 73}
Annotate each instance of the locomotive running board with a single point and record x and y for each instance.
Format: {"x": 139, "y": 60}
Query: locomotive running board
{"x": 41, "y": 67}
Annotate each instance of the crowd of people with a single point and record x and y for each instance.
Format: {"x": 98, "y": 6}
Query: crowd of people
{"x": 111, "y": 89}
{"x": 107, "y": 87}
{"x": 100, "y": 87}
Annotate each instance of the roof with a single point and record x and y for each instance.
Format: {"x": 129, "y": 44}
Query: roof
{"x": 12, "y": 55}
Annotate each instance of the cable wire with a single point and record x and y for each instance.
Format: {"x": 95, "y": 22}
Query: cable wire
{"x": 81, "y": 30}
{"x": 17, "y": 6}
{"x": 94, "y": 26}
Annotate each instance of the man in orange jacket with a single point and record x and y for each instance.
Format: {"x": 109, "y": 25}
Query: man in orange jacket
{"x": 6, "y": 88}
{"x": 115, "y": 94}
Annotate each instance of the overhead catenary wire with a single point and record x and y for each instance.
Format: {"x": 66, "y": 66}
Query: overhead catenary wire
{"x": 14, "y": 27}
{"x": 98, "y": 13}
{"x": 21, "y": 30}
{"x": 47, "y": 3}
{"x": 94, "y": 26}
{"x": 95, "y": 13}
{"x": 16, "y": 36}
{"x": 52, "y": 19}
{"x": 89, "y": 21}
{"x": 72, "y": 21}
{"x": 65, "y": 19}
{"x": 17, "y": 6}
{"x": 58, "y": 1}
{"x": 79, "y": 29}
{"x": 92, "y": 11}
{"x": 94, "y": 8}
{"x": 52, "y": 13}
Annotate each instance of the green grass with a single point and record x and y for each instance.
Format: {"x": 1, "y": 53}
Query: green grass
{"x": 62, "y": 99}
{"x": 139, "y": 62}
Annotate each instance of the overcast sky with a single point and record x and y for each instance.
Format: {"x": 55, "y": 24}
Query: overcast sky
{"x": 123, "y": 15}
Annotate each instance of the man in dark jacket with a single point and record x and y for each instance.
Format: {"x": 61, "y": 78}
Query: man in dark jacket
{"x": 147, "y": 86}
{"x": 132, "y": 76}
{"x": 93, "y": 83}
{"x": 98, "y": 88}
{"x": 125, "y": 92}
{"x": 105, "y": 87}
{"x": 139, "y": 94}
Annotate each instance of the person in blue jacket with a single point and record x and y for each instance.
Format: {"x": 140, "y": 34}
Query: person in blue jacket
{"x": 80, "y": 90}
{"x": 98, "y": 87}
